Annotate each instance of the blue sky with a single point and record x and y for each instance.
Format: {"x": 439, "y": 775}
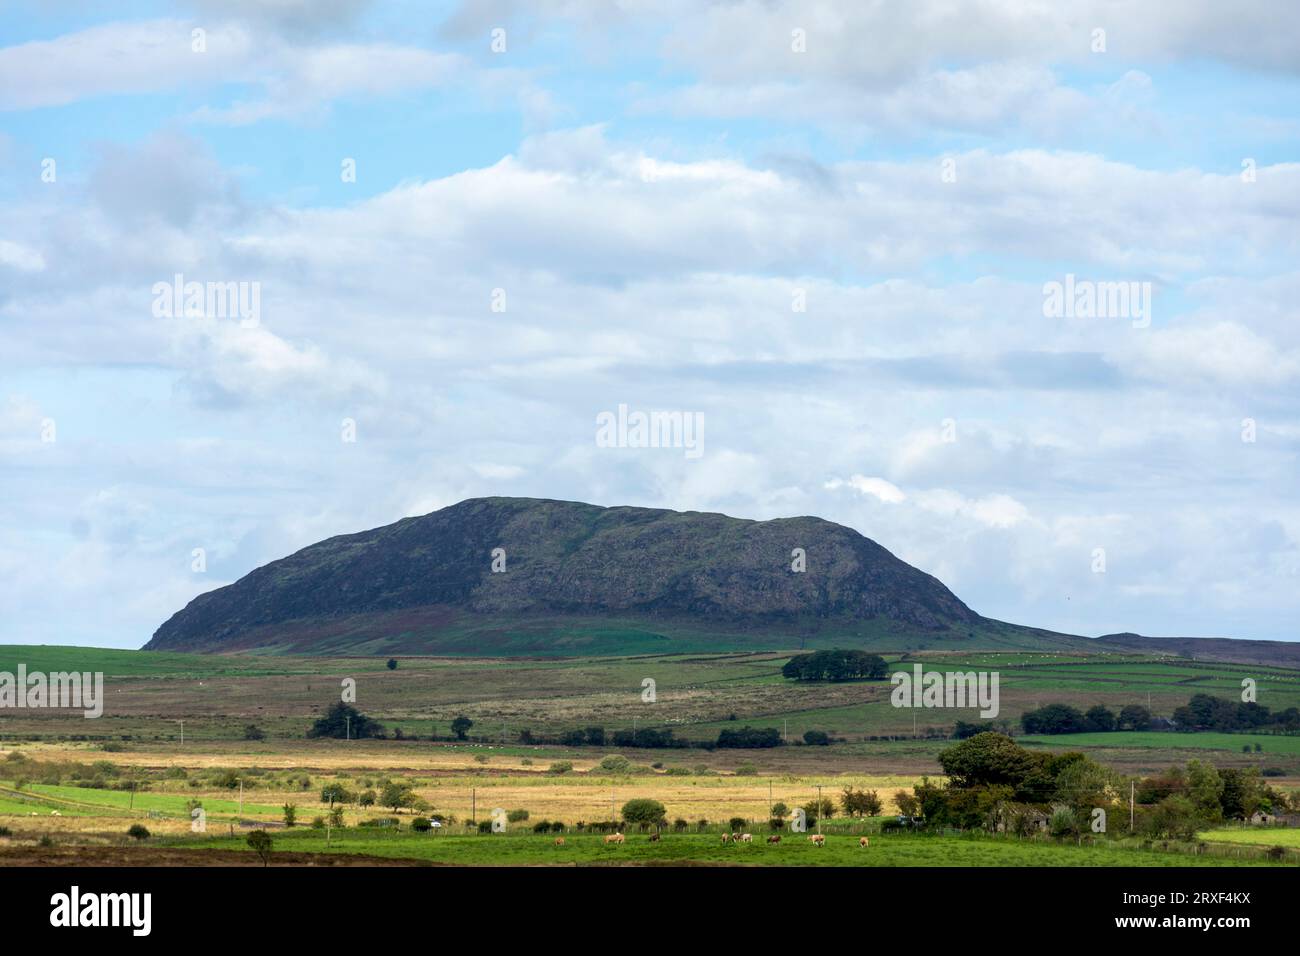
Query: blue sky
{"x": 652, "y": 186}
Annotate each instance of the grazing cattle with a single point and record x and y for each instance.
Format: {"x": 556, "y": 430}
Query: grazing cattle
{"x": 614, "y": 838}
{"x": 726, "y": 838}
{"x": 654, "y": 838}
{"x": 735, "y": 838}
{"x": 559, "y": 841}
{"x": 817, "y": 840}
{"x": 747, "y": 838}
{"x": 776, "y": 838}
{"x": 863, "y": 841}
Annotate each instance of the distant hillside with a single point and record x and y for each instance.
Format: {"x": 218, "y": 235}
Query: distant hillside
{"x": 582, "y": 579}
{"x": 1278, "y": 653}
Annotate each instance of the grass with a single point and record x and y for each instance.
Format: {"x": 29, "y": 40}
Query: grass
{"x": 1255, "y": 836}
{"x": 795, "y": 850}
{"x": 1271, "y": 743}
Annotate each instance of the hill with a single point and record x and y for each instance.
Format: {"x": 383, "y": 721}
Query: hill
{"x": 582, "y": 579}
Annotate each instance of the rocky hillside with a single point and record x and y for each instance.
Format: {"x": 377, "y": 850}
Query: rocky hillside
{"x": 578, "y": 579}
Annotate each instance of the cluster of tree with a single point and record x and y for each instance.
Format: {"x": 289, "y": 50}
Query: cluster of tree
{"x": 1064, "y": 719}
{"x": 750, "y": 737}
{"x": 1178, "y": 802}
{"x": 1204, "y": 712}
{"x": 342, "y": 721}
{"x": 836, "y": 665}
{"x": 989, "y": 774}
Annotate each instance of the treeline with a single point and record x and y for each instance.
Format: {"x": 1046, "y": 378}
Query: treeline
{"x": 995, "y": 784}
{"x": 836, "y": 665}
{"x": 1202, "y": 712}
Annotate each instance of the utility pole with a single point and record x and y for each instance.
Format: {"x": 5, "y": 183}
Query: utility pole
{"x": 182, "y": 733}
{"x": 349, "y": 728}
{"x": 131, "y": 805}
{"x": 1131, "y": 786}
{"x": 769, "y": 799}
{"x": 241, "y": 796}
{"x": 819, "y": 809}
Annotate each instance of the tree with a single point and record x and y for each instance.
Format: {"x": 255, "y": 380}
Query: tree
{"x": 908, "y": 805}
{"x": 642, "y": 810}
{"x": 396, "y": 795}
{"x": 392, "y": 664}
{"x": 1054, "y": 719}
{"x": 342, "y": 721}
{"x": 1099, "y": 720}
{"x": 333, "y": 793}
{"x": 367, "y": 799}
{"x": 987, "y": 758}
{"x": 1133, "y": 717}
{"x": 336, "y": 817}
{"x": 816, "y": 738}
{"x": 138, "y": 832}
{"x": 460, "y": 726}
{"x": 780, "y": 810}
{"x": 856, "y": 803}
{"x": 736, "y": 823}
{"x": 750, "y": 737}
{"x": 290, "y": 814}
{"x": 260, "y": 842}
{"x": 253, "y": 732}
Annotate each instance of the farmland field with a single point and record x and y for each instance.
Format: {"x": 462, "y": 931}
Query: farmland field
{"x": 67, "y": 781}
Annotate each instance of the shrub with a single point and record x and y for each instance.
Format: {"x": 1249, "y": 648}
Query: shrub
{"x": 318, "y": 823}
{"x": 421, "y": 825}
{"x": 615, "y": 763}
{"x": 138, "y": 832}
{"x": 290, "y": 814}
{"x": 736, "y": 823}
{"x": 517, "y": 816}
{"x": 747, "y": 770}
{"x": 542, "y": 826}
{"x": 816, "y": 738}
{"x": 560, "y": 767}
{"x": 260, "y": 842}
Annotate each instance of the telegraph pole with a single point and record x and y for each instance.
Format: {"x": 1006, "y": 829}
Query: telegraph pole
{"x": 473, "y": 805}
{"x": 182, "y": 733}
{"x": 349, "y": 728}
{"x": 1131, "y": 786}
{"x": 819, "y": 809}
{"x": 241, "y": 796}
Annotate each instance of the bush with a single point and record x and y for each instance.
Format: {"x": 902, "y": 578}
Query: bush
{"x": 542, "y": 826}
{"x": 615, "y": 763}
{"x": 747, "y": 770}
{"x": 644, "y": 811}
{"x": 421, "y": 825}
{"x": 485, "y": 826}
{"x": 260, "y": 842}
{"x": 318, "y": 823}
{"x": 254, "y": 732}
{"x": 816, "y": 738}
{"x": 517, "y": 816}
{"x": 1275, "y": 852}
{"x": 559, "y": 767}
{"x": 138, "y": 832}
{"x": 736, "y": 823}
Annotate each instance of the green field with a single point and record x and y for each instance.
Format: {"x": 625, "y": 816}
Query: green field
{"x": 1255, "y": 836}
{"x": 795, "y": 850}
{"x": 1271, "y": 743}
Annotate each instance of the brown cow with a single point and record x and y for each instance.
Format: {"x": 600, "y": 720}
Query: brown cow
{"x": 614, "y": 838}
{"x": 726, "y": 838}
{"x": 559, "y": 841}
{"x": 863, "y": 841}
{"x": 817, "y": 840}
{"x": 654, "y": 838}
{"x": 776, "y": 838}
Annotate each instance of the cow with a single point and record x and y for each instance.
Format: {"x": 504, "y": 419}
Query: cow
{"x": 726, "y": 838}
{"x": 654, "y": 838}
{"x": 775, "y": 838}
{"x": 863, "y": 841}
{"x": 559, "y": 841}
{"x": 735, "y": 838}
{"x": 614, "y": 838}
{"x": 747, "y": 838}
{"x": 817, "y": 840}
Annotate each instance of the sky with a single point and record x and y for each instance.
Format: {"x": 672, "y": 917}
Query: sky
{"x": 831, "y": 234}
